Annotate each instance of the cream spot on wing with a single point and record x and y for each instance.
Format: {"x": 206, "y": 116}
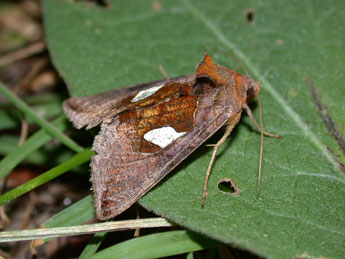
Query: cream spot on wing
{"x": 146, "y": 93}
{"x": 163, "y": 136}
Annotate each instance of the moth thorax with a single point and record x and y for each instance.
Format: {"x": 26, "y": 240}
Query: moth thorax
{"x": 253, "y": 88}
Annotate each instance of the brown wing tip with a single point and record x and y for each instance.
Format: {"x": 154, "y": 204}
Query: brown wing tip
{"x": 106, "y": 207}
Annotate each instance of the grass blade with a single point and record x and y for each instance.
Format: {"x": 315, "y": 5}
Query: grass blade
{"x": 34, "y": 142}
{"x": 93, "y": 245}
{"x": 76, "y": 214}
{"x": 22, "y": 235}
{"x": 51, "y": 129}
{"x": 78, "y": 159}
{"x": 158, "y": 245}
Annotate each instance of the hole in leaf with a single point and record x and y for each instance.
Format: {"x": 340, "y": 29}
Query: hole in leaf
{"x": 250, "y": 16}
{"x": 228, "y": 186}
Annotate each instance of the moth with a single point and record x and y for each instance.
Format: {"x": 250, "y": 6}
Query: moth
{"x": 148, "y": 129}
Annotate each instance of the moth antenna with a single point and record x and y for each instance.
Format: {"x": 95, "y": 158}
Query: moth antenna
{"x": 163, "y": 72}
{"x": 261, "y": 145}
{"x": 236, "y": 59}
{"x": 242, "y": 65}
{"x": 262, "y": 133}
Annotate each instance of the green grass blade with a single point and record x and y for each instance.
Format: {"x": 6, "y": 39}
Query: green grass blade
{"x": 190, "y": 256}
{"x": 8, "y": 143}
{"x": 38, "y": 157}
{"x": 78, "y": 159}
{"x": 93, "y": 245}
{"x": 32, "y": 143}
{"x": 51, "y": 129}
{"x": 47, "y": 105}
{"x": 158, "y": 245}
{"x": 76, "y": 214}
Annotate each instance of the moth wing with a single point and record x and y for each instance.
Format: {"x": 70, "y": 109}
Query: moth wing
{"x": 90, "y": 111}
{"x": 121, "y": 175}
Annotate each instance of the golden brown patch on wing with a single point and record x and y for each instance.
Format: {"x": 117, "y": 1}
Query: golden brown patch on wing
{"x": 172, "y": 106}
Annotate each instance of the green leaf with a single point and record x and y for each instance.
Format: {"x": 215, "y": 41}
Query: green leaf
{"x": 300, "y": 209}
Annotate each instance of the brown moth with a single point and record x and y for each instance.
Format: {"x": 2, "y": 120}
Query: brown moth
{"x": 148, "y": 129}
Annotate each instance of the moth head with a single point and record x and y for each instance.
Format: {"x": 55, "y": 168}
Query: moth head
{"x": 253, "y": 88}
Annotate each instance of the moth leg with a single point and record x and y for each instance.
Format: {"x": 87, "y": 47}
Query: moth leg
{"x": 230, "y": 127}
{"x": 250, "y": 114}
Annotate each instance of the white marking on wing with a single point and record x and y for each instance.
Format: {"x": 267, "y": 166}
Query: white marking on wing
{"x": 146, "y": 93}
{"x": 163, "y": 136}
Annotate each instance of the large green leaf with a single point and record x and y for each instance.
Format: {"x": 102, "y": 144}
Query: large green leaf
{"x": 300, "y": 210}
